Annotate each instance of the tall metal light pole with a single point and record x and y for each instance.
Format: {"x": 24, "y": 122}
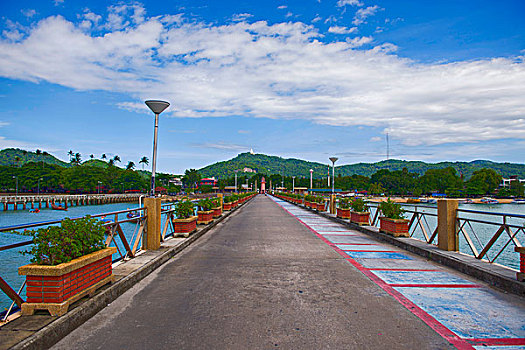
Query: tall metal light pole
{"x": 328, "y": 176}
{"x": 39, "y": 185}
{"x": 293, "y": 184}
{"x": 156, "y": 107}
{"x": 98, "y": 187}
{"x": 333, "y": 159}
{"x": 236, "y": 180}
{"x": 16, "y": 177}
{"x": 311, "y": 178}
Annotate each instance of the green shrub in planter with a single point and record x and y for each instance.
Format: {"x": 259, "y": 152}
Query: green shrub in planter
{"x": 344, "y": 203}
{"x": 55, "y": 245}
{"x": 358, "y": 205}
{"x": 206, "y": 204}
{"x": 391, "y": 209}
{"x": 184, "y": 209}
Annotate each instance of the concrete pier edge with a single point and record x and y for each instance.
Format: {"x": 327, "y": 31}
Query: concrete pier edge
{"x": 493, "y": 274}
{"x": 58, "y": 329}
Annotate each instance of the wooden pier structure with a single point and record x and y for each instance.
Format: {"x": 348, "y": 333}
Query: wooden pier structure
{"x": 64, "y": 200}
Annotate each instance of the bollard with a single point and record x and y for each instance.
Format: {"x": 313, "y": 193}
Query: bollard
{"x": 152, "y": 239}
{"x": 447, "y": 235}
{"x": 332, "y": 204}
{"x": 219, "y": 195}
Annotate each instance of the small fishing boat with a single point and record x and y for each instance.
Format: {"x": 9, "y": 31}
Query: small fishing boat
{"x": 413, "y": 200}
{"x": 57, "y": 207}
{"x": 466, "y": 201}
{"x": 518, "y": 201}
{"x": 36, "y": 210}
{"x": 133, "y": 215}
{"x": 488, "y": 200}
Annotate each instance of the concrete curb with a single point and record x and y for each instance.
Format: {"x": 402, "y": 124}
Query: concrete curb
{"x": 58, "y": 329}
{"x": 493, "y": 274}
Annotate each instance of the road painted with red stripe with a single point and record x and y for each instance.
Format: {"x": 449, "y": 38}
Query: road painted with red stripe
{"x": 465, "y": 312}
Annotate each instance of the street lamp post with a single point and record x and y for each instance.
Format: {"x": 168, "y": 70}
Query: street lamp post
{"x": 293, "y": 184}
{"x": 333, "y": 159}
{"x": 156, "y": 107}
{"x": 39, "y": 185}
{"x": 236, "y": 180}
{"x": 16, "y": 177}
{"x": 311, "y": 178}
{"x": 98, "y": 187}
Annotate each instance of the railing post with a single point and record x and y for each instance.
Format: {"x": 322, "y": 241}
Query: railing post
{"x": 447, "y": 234}
{"x": 332, "y": 204}
{"x": 521, "y": 275}
{"x": 152, "y": 239}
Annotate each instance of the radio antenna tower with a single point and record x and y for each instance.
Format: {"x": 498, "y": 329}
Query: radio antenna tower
{"x": 387, "y": 148}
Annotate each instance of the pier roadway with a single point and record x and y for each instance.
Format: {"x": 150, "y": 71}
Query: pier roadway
{"x": 276, "y": 276}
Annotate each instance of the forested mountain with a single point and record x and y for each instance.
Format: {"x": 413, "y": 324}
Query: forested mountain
{"x": 295, "y": 167}
{"x": 19, "y": 157}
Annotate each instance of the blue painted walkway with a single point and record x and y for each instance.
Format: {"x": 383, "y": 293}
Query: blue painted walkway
{"x": 467, "y": 313}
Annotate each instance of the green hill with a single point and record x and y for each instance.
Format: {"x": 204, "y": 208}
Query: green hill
{"x": 295, "y": 167}
{"x": 9, "y": 156}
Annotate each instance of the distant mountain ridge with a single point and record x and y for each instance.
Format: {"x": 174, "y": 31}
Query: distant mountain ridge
{"x": 8, "y": 157}
{"x": 297, "y": 167}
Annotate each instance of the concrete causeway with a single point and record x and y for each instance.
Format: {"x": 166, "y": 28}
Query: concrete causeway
{"x": 273, "y": 275}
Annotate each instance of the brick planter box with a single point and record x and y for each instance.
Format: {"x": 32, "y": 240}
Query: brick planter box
{"x": 54, "y": 288}
{"x": 204, "y": 217}
{"x": 184, "y": 226}
{"x": 235, "y": 204}
{"x": 227, "y": 206}
{"x": 217, "y": 212}
{"x": 360, "y": 218}
{"x": 343, "y": 213}
{"x": 394, "y": 227}
{"x": 320, "y": 206}
{"x": 521, "y": 275}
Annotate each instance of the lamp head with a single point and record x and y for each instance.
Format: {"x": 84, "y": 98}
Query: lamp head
{"x": 157, "y": 106}
{"x": 333, "y": 159}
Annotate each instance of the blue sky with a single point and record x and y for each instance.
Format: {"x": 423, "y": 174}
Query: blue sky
{"x": 303, "y": 79}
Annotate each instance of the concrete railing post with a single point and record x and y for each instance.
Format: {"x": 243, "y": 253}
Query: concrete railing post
{"x": 447, "y": 235}
{"x": 332, "y": 204}
{"x": 152, "y": 239}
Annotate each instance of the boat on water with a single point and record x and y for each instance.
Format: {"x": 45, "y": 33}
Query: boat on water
{"x": 413, "y": 200}
{"x": 57, "y": 207}
{"x": 488, "y": 200}
{"x": 35, "y": 210}
{"x": 518, "y": 201}
{"x": 133, "y": 215}
{"x": 466, "y": 201}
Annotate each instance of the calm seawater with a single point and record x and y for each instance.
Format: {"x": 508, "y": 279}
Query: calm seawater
{"x": 12, "y": 259}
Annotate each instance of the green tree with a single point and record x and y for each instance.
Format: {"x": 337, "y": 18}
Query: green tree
{"x": 483, "y": 181}
{"x": 441, "y": 180}
{"x": 116, "y": 158}
{"x": 191, "y": 177}
{"x": 103, "y": 156}
{"x": 130, "y": 165}
{"x": 144, "y": 161}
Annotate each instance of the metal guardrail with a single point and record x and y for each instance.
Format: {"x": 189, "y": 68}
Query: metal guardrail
{"x": 126, "y": 248}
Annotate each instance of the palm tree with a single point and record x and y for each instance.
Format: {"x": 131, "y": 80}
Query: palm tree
{"x": 71, "y": 154}
{"x": 144, "y": 161}
{"x": 130, "y": 165}
{"x": 39, "y": 153}
{"x": 103, "y": 156}
{"x": 91, "y": 156}
{"x": 111, "y": 162}
{"x": 17, "y": 160}
{"x": 77, "y": 160}
{"x": 116, "y": 158}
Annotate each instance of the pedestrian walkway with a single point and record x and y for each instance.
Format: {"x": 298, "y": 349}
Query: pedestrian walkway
{"x": 462, "y": 310}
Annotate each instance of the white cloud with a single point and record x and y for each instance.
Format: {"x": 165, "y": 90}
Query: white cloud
{"x": 58, "y": 2}
{"x": 342, "y": 3}
{"x": 282, "y": 7}
{"x": 274, "y": 71}
{"x": 363, "y": 14}
{"x": 359, "y": 41}
{"x": 289, "y": 14}
{"x": 222, "y": 146}
{"x": 375, "y": 139}
{"x": 28, "y": 12}
{"x": 317, "y": 19}
{"x": 244, "y": 132}
{"x": 342, "y": 30}
{"x": 3, "y": 124}
{"x": 241, "y": 17}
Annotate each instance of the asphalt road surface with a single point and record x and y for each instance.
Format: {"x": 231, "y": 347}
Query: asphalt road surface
{"x": 259, "y": 280}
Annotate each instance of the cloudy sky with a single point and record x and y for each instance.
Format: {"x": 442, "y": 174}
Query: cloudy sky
{"x": 306, "y": 79}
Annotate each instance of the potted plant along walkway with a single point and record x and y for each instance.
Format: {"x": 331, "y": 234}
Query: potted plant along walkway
{"x": 320, "y": 203}
{"x": 359, "y": 215}
{"x": 69, "y": 261}
{"x": 205, "y": 212}
{"x": 186, "y": 222}
{"x": 393, "y": 221}
{"x": 217, "y": 208}
{"x": 343, "y": 208}
{"x": 227, "y": 203}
